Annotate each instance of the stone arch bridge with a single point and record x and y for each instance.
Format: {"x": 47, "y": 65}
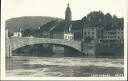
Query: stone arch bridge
{"x": 13, "y": 43}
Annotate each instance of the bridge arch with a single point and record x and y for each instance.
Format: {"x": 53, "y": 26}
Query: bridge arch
{"x": 17, "y": 42}
{"x": 65, "y": 46}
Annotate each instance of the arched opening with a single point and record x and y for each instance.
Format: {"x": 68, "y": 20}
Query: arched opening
{"x": 46, "y": 50}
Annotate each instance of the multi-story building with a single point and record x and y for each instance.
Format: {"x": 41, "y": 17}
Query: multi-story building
{"x": 93, "y": 33}
{"x": 101, "y": 35}
{"x": 90, "y": 32}
{"x": 113, "y": 35}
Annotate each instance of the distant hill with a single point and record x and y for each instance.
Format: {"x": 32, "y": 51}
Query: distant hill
{"x": 27, "y": 22}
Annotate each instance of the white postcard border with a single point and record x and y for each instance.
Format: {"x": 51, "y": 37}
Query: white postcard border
{"x": 3, "y": 77}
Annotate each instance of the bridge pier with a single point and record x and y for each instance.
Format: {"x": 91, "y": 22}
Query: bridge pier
{"x": 58, "y": 51}
{"x": 10, "y": 52}
{"x": 8, "y": 49}
{"x": 69, "y": 52}
{"x": 88, "y": 49}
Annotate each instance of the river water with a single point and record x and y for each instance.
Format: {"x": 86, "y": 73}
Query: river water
{"x": 30, "y": 66}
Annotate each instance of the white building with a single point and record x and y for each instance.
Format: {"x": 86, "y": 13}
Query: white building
{"x": 17, "y": 34}
{"x": 68, "y": 36}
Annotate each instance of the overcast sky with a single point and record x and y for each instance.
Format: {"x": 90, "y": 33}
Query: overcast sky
{"x": 56, "y": 8}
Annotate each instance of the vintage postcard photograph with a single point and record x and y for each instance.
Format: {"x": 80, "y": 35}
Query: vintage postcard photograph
{"x": 64, "y": 40}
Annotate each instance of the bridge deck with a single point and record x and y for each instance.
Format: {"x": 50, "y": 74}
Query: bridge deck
{"x": 17, "y": 42}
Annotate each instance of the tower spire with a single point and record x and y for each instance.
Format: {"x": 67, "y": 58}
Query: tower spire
{"x": 68, "y": 13}
{"x": 68, "y": 4}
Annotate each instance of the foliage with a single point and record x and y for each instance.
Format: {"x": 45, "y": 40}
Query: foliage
{"x": 98, "y": 19}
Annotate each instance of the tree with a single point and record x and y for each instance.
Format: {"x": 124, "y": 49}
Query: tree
{"x": 26, "y": 32}
{"x": 115, "y": 21}
{"x": 99, "y": 19}
{"x": 108, "y": 20}
{"x": 95, "y": 18}
{"x": 85, "y": 21}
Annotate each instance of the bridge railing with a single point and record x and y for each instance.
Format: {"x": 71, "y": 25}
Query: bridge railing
{"x": 44, "y": 38}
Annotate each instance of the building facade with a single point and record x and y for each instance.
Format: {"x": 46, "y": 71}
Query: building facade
{"x": 68, "y": 36}
{"x": 114, "y": 35}
{"x": 17, "y": 34}
{"x": 101, "y": 35}
{"x": 90, "y": 32}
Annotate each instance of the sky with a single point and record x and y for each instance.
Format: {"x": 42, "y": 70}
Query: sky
{"x": 56, "y": 8}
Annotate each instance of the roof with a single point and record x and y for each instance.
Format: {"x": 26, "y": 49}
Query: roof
{"x": 48, "y": 26}
{"x": 64, "y": 26}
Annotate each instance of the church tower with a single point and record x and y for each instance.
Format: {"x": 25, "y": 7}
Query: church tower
{"x": 68, "y": 13}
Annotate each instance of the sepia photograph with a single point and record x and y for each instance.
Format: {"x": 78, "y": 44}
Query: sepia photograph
{"x": 64, "y": 39}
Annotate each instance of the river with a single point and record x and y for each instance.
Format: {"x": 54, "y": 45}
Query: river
{"x": 30, "y": 66}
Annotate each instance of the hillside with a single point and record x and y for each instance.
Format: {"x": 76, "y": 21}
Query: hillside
{"x": 28, "y": 22}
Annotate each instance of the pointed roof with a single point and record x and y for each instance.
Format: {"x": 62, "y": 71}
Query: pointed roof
{"x": 68, "y": 5}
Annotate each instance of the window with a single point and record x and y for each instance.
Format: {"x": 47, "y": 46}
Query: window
{"x": 122, "y": 37}
{"x": 92, "y": 32}
{"x": 98, "y": 36}
{"x": 93, "y": 37}
{"x": 92, "y": 28}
